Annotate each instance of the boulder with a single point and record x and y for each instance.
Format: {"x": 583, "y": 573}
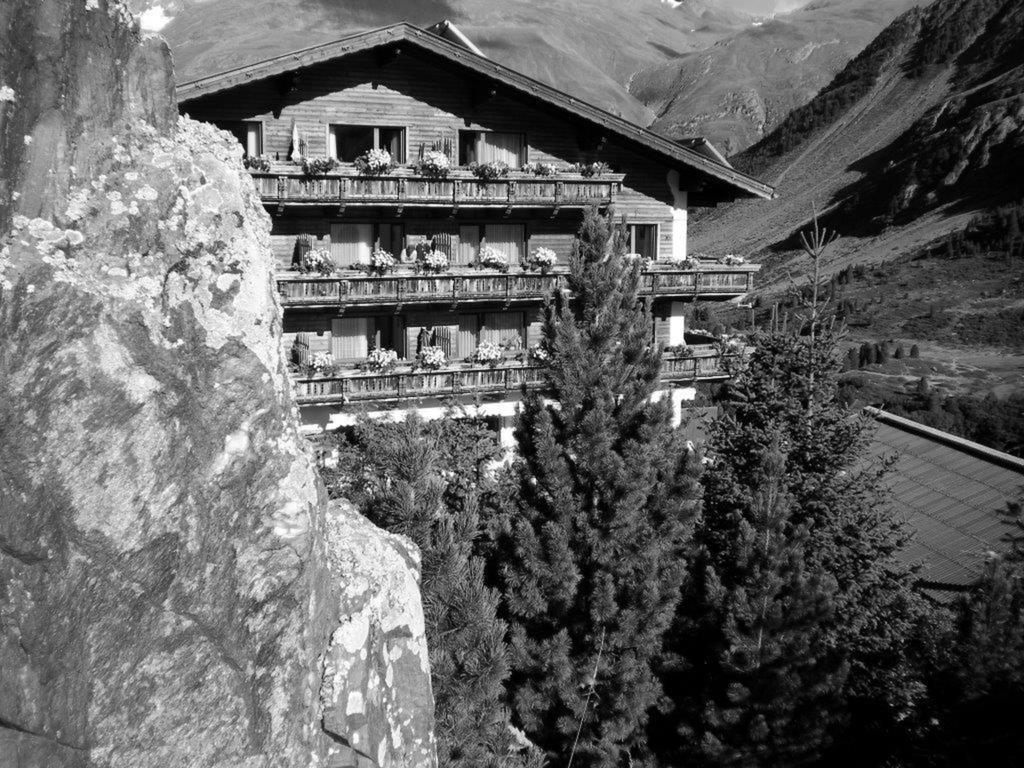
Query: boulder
{"x": 175, "y": 587}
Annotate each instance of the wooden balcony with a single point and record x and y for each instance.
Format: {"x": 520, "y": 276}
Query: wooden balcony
{"x": 285, "y": 185}
{"x": 705, "y": 363}
{"x": 476, "y": 286}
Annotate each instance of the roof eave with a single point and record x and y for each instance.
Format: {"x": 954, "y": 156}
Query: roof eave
{"x": 404, "y": 31}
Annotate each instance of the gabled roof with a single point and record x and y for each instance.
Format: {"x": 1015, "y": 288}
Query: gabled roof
{"x": 407, "y": 33}
{"x": 954, "y": 495}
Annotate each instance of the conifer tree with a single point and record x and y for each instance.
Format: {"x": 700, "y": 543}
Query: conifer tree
{"x": 760, "y": 685}
{"x": 787, "y": 395}
{"x": 976, "y": 686}
{"x": 424, "y": 481}
{"x": 599, "y": 506}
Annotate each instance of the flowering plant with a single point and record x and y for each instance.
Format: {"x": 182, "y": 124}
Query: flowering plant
{"x": 645, "y": 263}
{"x": 732, "y": 260}
{"x": 318, "y": 166}
{"x": 322, "y": 363}
{"x": 543, "y": 259}
{"x": 538, "y": 354}
{"x": 380, "y": 360}
{"x": 734, "y": 344}
{"x": 493, "y": 169}
{"x": 431, "y": 358}
{"x": 316, "y": 260}
{"x": 256, "y": 163}
{"x": 591, "y": 169}
{"x": 487, "y": 353}
{"x": 687, "y": 263}
{"x": 381, "y": 262}
{"x": 434, "y": 164}
{"x": 374, "y": 162}
{"x": 489, "y": 257}
{"x": 432, "y": 261}
{"x": 540, "y": 169}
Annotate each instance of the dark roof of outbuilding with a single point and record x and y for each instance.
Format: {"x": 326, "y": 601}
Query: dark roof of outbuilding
{"x": 671, "y": 151}
{"x": 954, "y": 494}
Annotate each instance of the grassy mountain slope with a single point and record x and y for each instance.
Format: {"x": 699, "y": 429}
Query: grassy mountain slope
{"x": 920, "y": 129}
{"x": 916, "y": 135}
{"x": 588, "y": 49}
{"x": 737, "y": 90}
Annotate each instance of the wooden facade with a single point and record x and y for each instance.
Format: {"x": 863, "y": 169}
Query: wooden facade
{"x": 405, "y": 90}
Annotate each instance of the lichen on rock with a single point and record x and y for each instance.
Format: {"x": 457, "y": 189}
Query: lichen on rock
{"x": 173, "y": 583}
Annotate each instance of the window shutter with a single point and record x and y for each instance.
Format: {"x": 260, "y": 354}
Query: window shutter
{"x": 662, "y": 330}
{"x": 469, "y": 244}
{"x": 535, "y": 327}
{"x": 466, "y": 344}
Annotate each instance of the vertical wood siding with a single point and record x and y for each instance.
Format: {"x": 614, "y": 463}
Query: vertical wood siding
{"x": 433, "y": 102}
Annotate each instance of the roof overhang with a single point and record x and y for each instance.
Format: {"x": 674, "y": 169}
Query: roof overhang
{"x": 404, "y": 33}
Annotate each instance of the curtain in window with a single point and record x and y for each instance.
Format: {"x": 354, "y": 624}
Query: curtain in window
{"x": 253, "y": 139}
{"x": 351, "y": 244}
{"x": 509, "y": 239}
{"x": 506, "y": 147}
{"x": 332, "y": 142}
{"x": 505, "y": 328}
{"x": 350, "y": 337}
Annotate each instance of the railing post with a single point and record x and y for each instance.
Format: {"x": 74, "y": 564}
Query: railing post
{"x": 281, "y": 182}
{"x": 511, "y": 191}
{"x": 456, "y": 191}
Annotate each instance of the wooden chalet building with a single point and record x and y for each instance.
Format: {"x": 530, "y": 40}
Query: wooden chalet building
{"x": 417, "y": 93}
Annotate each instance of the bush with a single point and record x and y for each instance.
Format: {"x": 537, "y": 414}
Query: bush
{"x": 425, "y": 481}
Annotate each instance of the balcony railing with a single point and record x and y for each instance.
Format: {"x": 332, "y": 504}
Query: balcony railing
{"x": 480, "y": 286}
{"x": 288, "y": 185}
{"x": 705, "y": 363}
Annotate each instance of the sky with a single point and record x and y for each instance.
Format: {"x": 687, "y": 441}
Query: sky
{"x": 154, "y": 15}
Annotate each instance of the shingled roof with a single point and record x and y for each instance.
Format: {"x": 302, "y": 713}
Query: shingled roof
{"x": 954, "y": 494}
{"x": 404, "y": 33}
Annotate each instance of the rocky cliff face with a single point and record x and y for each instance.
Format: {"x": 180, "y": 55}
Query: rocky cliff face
{"x": 175, "y": 589}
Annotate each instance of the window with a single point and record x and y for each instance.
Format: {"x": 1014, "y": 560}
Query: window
{"x": 507, "y": 239}
{"x": 353, "y": 337}
{"x": 504, "y": 329}
{"x": 492, "y": 146}
{"x": 391, "y": 238}
{"x": 347, "y": 142}
{"x": 351, "y": 244}
{"x": 643, "y": 239}
{"x": 249, "y": 134}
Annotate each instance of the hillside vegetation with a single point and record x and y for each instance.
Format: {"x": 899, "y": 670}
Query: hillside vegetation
{"x": 921, "y": 129}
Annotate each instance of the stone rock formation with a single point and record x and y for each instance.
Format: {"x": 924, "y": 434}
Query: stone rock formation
{"x": 175, "y": 588}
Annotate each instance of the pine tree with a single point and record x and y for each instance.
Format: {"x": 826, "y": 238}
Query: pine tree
{"x": 759, "y": 682}
{"x": 976, "y": 688}
{"x": 788, "y": 395}
{"x": 424, "y": 481}
{"x": 600, "y": 501}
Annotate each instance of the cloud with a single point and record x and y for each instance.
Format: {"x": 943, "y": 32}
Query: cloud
{"x": 154, "y": 19}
